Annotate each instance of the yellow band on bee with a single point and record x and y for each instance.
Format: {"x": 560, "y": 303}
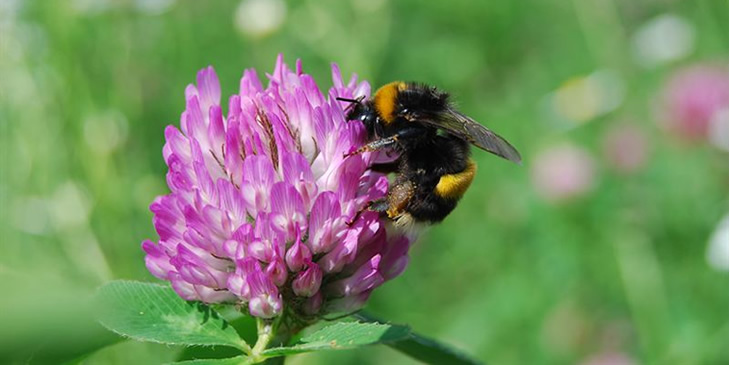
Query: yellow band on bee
{"x": 453, "y": 186}
{"x": 385, "y": 99}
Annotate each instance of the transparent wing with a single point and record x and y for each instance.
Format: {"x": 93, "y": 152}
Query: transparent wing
{"x": 468, "y": 129}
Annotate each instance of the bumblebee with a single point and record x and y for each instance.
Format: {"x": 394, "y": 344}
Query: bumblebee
{"x": 432, "y": 138}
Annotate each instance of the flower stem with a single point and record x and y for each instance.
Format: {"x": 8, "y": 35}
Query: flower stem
{"x": 266, "y": 332}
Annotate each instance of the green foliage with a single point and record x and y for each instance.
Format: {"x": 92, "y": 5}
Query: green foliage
{"x": 424, "y": 349}
{"x": 239, "y": 360}
{"x": 344, "y": 335}
{"x": 155, "y": 313}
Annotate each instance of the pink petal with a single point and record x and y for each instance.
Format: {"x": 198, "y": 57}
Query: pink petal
{"x": 193, "y": 123}
{"x": 325, "y": 222}
{"x": 175, "y": 143}
{"x": 308, "y": 281}
{"x": 216, "y": 131}
{"x": 365, "y": 278}
{"x": 250, "y": 83}
{"x": 297, "y": 256}
{"x": 287, "y": 209}
{"x": 297, "y": 172}
{"x": 209, "y": 88}
{"x": 156, "y": 260}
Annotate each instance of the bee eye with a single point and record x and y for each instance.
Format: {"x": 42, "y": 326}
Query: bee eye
{"x": 405, "y": 111}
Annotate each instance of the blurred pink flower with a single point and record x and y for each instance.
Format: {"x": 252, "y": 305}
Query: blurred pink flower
{"x": 615, "y": 337}
{"x": 691, "y": 98}
{"x": 261, "y": 195}
{"x": 609, "y": 358}
{"x": 625, "y": 148}
{"x": 563, "y": 172}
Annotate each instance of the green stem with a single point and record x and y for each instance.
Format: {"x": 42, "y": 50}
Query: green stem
{"x": 266, "y": 332}
{"x": 271, "y": 333}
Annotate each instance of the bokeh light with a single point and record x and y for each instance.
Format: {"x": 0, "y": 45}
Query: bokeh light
{"x": 563, "y": 172}
{"x": 694, "y": 102}
{"x": 663, "y": 39}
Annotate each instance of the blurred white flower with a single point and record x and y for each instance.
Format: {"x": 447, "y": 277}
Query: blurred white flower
{"x": 719, "y": 129}
{"x": 663, "y": 39}
{"x": 563, "y": 172}
{"x": 97, "y": 7}
{"x": 9, "y": 10}
{"x": 30, "y": 215}
{"x": 106, "y": 131}
{"x": 718, "y": 252}
{"x": 625, "y": 148}
{"x": 91, "y": 7}
{"x": 154, "y": 7}
{"x": 259, "y": 18}
{"x": 70, "y": 206}
{"x": 582, "y": 99}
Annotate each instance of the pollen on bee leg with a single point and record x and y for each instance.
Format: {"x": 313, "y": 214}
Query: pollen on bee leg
{"x": 380, "y": 205}
{"x": 356, "y": 152}
{"x": 375, "y": 145}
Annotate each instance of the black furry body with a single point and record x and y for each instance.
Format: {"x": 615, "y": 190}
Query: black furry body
{"x": 426, "y": 154}
{"x": 433, "y": 138}
{"x": 422, "y": 163}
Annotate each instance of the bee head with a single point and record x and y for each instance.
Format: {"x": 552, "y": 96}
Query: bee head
{"x": 364, "y": 112}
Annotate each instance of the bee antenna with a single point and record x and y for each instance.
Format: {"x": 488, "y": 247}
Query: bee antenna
{"x": 349, "y": 100}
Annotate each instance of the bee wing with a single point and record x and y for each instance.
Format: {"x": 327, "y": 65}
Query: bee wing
{"x": 468, "y": 129}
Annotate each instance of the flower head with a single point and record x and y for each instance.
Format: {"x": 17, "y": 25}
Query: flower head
{"x": 694, "y": 103}
{"x": 625, "y": 148}
{"x": 261, "y": 196}
{"x": 563, "y": 172}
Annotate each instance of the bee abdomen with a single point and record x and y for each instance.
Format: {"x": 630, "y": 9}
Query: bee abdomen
{"x": 433, "y": 202}
{"x": 453, "y": 186}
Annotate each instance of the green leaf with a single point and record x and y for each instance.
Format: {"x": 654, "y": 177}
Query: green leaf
{"x": 343, "y": 335}
{"x": 431, "y": 352}
{"x": 155, "y": 313}
{"x": 424, "y": 349}
{"x": 238, "y": 360}
{"x": 207, "y": 352}
{"x": 244, "y": 325}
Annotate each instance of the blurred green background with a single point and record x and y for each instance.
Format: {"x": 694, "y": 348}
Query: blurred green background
{"x": 598, "y": 250}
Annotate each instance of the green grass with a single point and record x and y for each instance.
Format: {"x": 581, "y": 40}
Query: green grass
{"x": 508, "y": 277}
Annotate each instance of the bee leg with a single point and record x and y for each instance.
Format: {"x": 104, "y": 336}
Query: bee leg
{"x": 393, "y": 205}
{"x": 375, "y": 145}
{"x": 381, "y": 206}
{"x": 387, "y": 142}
